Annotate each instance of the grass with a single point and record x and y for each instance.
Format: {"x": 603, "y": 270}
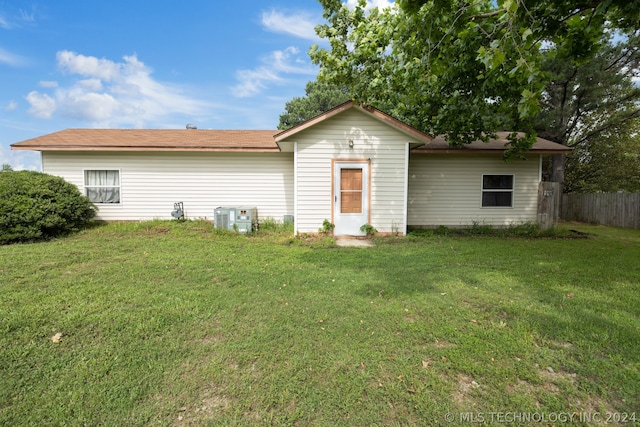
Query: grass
{"x": 175, "y": 323}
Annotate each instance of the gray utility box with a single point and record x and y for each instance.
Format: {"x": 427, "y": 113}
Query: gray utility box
{"x": 241, "y": 218}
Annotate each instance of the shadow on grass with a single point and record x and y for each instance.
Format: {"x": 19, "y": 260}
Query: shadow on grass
{"x": 579, "y": 299}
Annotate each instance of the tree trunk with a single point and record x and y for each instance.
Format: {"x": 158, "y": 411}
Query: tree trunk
{"x": 557, "y": 168}
{"x": 557, "y": 175}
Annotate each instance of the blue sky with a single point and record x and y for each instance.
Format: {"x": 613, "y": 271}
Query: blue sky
{"x": 150, "y": 64}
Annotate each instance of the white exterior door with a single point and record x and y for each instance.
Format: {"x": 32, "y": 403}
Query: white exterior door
{"x": 351, "y": 197}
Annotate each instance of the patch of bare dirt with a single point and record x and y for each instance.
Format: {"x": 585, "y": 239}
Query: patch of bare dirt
{"x": 463, "y": 394}
{"x": 444, "y": 344}
{"x": 210, "y": 339}
{"x": 208, "y": 408}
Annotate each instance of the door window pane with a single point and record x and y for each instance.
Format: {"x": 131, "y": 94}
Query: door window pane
{"x": 350, "y": 190}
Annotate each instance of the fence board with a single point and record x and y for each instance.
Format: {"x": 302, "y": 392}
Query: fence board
{"x": 616, "y": 209}
{"x": 548, "y": 204}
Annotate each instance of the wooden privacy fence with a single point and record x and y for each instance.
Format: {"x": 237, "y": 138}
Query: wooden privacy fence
{"x": 549, "y": 195}
{"x": 616, "y": 209}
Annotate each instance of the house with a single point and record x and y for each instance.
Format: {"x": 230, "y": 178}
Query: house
{"x": 351, "y": 165}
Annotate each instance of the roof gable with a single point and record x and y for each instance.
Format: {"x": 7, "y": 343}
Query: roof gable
{"x": 416, "y": 135}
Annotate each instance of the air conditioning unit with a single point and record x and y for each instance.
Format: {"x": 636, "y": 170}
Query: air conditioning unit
{"x": 242, "y": 219}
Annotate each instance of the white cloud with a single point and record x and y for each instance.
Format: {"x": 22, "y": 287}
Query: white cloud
{"x": 88, "y": 66}
{"x": 12, "y": 105}
{"x": 252, "y": 82}
{"x": 27, "y": 16}
{"x": 17, "y": 19}
{"x": 11, "y": 59}
{"x": 289, "y": 61}
{"x": 42, "y": 105}
{"x": 380, "y": 4}
{"x": 273, "y": 68}
{"x": 112, "y": 94}
{"x": 94, "y": 107}
{"x": 90, "y": 84}
{"x": 301, "y": 25}
{"x": 20, "y": 160}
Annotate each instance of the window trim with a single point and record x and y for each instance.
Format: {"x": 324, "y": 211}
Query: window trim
{"x": 85, "y": 186}
{"x": 498, "y": 190}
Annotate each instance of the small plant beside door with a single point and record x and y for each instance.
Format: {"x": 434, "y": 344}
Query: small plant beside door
{"x": 368, "y": 229}
{"x": 327, "y": 227}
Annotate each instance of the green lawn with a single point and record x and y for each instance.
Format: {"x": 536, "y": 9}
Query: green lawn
{"x": 177, "y": 324}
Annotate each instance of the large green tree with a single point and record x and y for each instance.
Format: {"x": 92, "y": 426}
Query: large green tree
{"x": 584, "y": 101}
{"x": 606, "y": 162}
{"x": 320, "y": 97}
{"x": 463, "y": 68}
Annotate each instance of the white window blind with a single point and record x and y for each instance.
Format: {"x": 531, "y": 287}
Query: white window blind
{"x": 102, "y": 186}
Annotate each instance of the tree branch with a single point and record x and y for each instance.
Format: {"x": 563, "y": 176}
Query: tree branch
{"x": 486, "y": 15}
{"x": 633, "y": 115}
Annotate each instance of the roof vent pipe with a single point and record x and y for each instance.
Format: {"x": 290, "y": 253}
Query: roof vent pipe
{"x": 190, "y": 126}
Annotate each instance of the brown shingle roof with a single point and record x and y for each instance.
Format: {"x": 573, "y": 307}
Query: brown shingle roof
{"x": 153, "y": 140}
{"x": 440, "y": 145}
{"x": 241, "y": 140}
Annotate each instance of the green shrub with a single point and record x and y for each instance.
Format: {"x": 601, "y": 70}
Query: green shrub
{"x": 442, "y": 230}
{"x": 479, "y": 227}
{"x": 270, "y": 226}
{"x": 525, "y": 229}
{"x": 368, "y": 229}
{"x": 36, "y": 206}
{"x": 327, "y": 227}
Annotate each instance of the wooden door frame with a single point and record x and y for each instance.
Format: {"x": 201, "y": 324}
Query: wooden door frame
{"x": 333, "y": 185}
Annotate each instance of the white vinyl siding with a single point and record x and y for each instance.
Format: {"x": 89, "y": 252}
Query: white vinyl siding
{"x": 151, "y": 182}
{"x": 447, "y": 190}
{"x": 372, "y": 139}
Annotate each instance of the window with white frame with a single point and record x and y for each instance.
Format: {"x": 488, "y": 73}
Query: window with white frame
{"x": 497, "y": 191}
{"x": 102, "y": 186}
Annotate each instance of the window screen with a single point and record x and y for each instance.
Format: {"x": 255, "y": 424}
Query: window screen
{"x": 497, "y": 190}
